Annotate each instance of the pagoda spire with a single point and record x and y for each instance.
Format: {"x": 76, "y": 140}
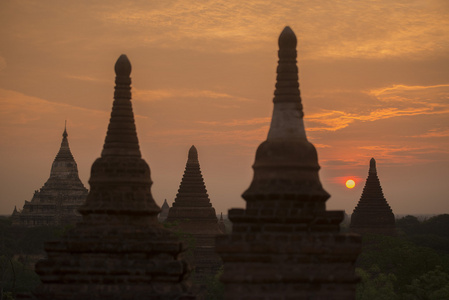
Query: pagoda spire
{"x": 64, "y": 152}
{"x": 119, "y": 249}
{"x": 373, "y": 214}
{"x": 193, "y": 213}
{"x": 121, "y": 138}
{"x": 192, "y": 190}
{"x": 287, "y": 154}
{"x": 285, "y": 244}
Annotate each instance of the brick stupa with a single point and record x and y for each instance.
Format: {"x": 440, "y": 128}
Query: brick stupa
{"x": 164, "y": 211}
{"x": 285, "y": 245}
{"x": 58, "y": 200}
{"x": 119, "y": 250}
{"x": 192, "y": 213}
{"x": 373, "y": 215}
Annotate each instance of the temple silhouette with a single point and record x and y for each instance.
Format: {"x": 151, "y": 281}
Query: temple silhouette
{"x": 164, "y": 211}
{"x": 119, "y": 250}
{"x": 284, "y": 244}
{"x": 58, "y": 200}
{"x": 192, "y": 213}
{"x": 373, "y": 215}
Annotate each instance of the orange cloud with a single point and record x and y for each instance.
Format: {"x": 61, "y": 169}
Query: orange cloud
{"x": 398, "y": 101}
{"x": 160, "y": 94}
{"x": 254, "y": 121}
{"x": 404, "y": 88}
{"x": 433, "y": 133}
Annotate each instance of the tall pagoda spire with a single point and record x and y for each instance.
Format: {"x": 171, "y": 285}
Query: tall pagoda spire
{"x": 192, "y": 212}
{"x": 372, "y": 214}
{"x": 119, "y": 250}
{"x": 192, "y": 193}
{"x": 285, "y": 244}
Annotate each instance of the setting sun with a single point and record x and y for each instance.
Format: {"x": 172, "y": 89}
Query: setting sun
{"x": 350, "y": 184}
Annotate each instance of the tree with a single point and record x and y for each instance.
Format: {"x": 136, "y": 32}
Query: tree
{"x": 433, "y": 285}
{"x": 375, "y": 285}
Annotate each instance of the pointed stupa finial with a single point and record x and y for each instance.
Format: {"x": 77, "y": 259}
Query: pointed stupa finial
{"x": 64, "y": 152}
{"x": 64, "y": 134}
{"x": 121, "y": 138}
{"x": 372, "y": 166}
{"x": 123, "y": 66}
{"x": 287, "y": 39}
{"x": 193, "y": 154}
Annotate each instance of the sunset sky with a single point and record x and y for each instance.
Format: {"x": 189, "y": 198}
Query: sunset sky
{"x": 374, "y": 80}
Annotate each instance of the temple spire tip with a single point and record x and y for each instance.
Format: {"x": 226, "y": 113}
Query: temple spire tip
{"x": 372, "y": 165}
{"x": 123, "y": 66}
{"x": 193, "y": 153}
{"x": 287, "y": 38}
{"x": 64, "y": 134}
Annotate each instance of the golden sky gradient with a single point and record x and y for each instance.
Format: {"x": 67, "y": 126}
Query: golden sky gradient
{"x": 374, "y": 81}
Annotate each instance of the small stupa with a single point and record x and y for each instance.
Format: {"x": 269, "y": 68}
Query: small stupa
{"x": 119, "y": 250}
{"x": 285, "y": 244}
{"x": 58, "y": 200}
{"x": 221, "y": 224}
{"x": 192, "y": 213}
{"x": 373, "y": 215}
{"x": 164, "y": 211}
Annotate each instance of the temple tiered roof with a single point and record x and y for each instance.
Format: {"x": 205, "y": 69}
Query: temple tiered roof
{"x": 192, "y": 206}
{"x": 58, "y": 200}
{"x": 285, "y": 245}
{"x": 192, "y": 213}
{"x": 119, "y": 250}
{"x": 372, "y": 214}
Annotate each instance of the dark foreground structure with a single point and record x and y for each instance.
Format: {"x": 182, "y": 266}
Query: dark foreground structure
{"x": 192, "y": 213}
{"x": 285, "y": 245}
{"x": 119, "y": 250}
{"x": 58, "y": 200}
{"x": 373, "y": 215}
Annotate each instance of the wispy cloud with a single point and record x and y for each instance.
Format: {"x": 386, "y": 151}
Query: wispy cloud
{"x": 394, "y": 101}
{"x": 406, "y": 155}
{"x": 249, "y": 122}
{"x": 161, "y": 94}
{"x": 350, "y": 28}
{"x": 243, "y": 138}
{"x": 87, "y": 78}
{"x": 18, "y": 108}
{"x": 433, "y": 133}
{"x": 402, "y": 88}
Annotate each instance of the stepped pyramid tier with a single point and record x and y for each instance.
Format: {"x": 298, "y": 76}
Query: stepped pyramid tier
{"x": 164, "y": 211}
{"x": 192, "y": 213}
{"x": 285, "y": 244}
{"x": 57, "y": 201}
{"x": 373, "y": 215}
{"x": 119, "y": 250}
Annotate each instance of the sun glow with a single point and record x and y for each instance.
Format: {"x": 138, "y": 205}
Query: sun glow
{"x": 350, "y": 183}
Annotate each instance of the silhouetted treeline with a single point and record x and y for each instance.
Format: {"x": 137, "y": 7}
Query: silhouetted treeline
{"x": 413, "y": 265}
{"x": 432, "y": 233}
{"x": 20, "y": 249}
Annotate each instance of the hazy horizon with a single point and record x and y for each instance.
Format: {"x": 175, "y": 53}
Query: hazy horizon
{"x": 373, "y": 78}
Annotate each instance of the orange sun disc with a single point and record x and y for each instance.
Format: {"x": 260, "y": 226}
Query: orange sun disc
{"x": 350, "y": 184}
